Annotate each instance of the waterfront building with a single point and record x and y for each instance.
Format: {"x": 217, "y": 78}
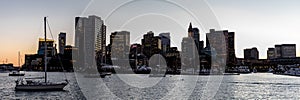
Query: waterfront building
{"x": 151, "y": 44}
{"x": 223, "y": 43}
{"x": 165, "y": 42}
{"x": 189, "y": 54}
{"x": 251, "y": 54}
{"x": 51, "y": 50}
{"x": 33, "y": 62}
{"x": 285, "y": 51}
{"x": 136, "y": 56}
{"x": 120, "y": 43}
{"x": 90, "y": 40}
{"x": 173, "y": 61}
{"x": 191, "y": 48}
{"x": 217, "y": 45}
{"x": 271, "y": 53}
{"x": 67, "y": 60}
{"x": 61, "y": 42}
{"x": 195, "y": 35}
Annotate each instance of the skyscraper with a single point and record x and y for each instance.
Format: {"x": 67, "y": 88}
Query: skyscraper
{"x": 165, "y": 41}
{"x": 191, "y": 49}
{"x": 90, "y": 39}
{"x": 151, "y": 44}
{"x": 120, "y": 43}
{"x": 195, "y": 35}
{"x": 61, "y": 42}
{"x": 189, "y": 54}
{"x": 214, "y": 37}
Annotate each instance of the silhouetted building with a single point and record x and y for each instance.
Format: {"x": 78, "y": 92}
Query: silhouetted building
{"x": 285, "y": 51}
{"x": 151, "y": 44}
{"x": 67, "y": 59}
{"x": 222, "y": 39}
{"x": 61, "y": 42}
{"x": 7, "y": 67}
{"x": 136, "y": 56}
{"x": 173, "y": 61}
{"x": 51, "y": 50}
{"x": 165, "y": 42}
{"x": 90, "y": 40}
{"x": 194, "y": 33}
{"x": 33, "y": 62}
{"x": 251, "y": 54}
{"x": 271, "y": 53}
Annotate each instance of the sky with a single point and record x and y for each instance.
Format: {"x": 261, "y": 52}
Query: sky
{"x": 256, "y": 23}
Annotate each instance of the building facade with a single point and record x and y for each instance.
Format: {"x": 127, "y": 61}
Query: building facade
{"x": 61, "y": 42}
{"x": 223, "y": 42}
{"x": 120, "y": 43}
{"x": 51, "y": 49}
{"x": 151, "y": 44}
{"x": 271, "y": 53}
{"x": 90, "y": 40}
{"x": 285, "y": 51}
{"x": 165, "y": 42}
{"x": 251, "y": 54}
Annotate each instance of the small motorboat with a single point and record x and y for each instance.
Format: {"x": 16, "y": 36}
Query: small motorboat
{"x": 102, "y": 75}
{"x": 16, "y": 73}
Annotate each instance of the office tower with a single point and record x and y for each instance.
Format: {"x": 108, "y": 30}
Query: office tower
{"x": 195, "y": 35}
{"x": 50, "y": 48}
{"x": 120, "y": 43}
{"x": 191, "y": 49}
{"x": 151, "y": 44}
{"x": 189, "y": 55}
{"x": 90, "y": 40}
{"x": 165, "y": 42}
{"x": 222, "y": 39}
{"x": 285, "y": 51}
{"x": 251, "y": 54}
{"x": 61, "y": 42}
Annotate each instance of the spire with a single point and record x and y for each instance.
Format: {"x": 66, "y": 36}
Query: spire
{"x": 190, "y": 27}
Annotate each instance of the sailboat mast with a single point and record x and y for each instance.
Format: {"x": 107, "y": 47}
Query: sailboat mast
{"x": 45, "y": 43}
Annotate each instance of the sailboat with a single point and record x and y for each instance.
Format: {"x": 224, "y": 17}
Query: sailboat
{"x": 29, "y": 85}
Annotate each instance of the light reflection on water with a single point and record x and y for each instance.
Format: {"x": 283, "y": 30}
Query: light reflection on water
{"x": 244, "y": 86}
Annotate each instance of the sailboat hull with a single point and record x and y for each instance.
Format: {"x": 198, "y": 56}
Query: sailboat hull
{"x": 42, "y": 87}
{"x": 16, "y": 74}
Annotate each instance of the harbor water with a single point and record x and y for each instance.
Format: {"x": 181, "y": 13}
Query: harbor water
{"x": 244, "y": 86}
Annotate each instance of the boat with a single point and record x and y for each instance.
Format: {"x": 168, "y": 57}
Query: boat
{"x": 254, "y": 70}
{"x": 143, "y": 69}
{"x": 244, "y": 70}
{"x": 31, "y": 85}
{"x": 102, "y": 75}
{"x": 271, "y": 70}
{"x": 16, "y": 73}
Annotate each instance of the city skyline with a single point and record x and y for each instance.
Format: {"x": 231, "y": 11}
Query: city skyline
{"x": 248, "y": 34}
